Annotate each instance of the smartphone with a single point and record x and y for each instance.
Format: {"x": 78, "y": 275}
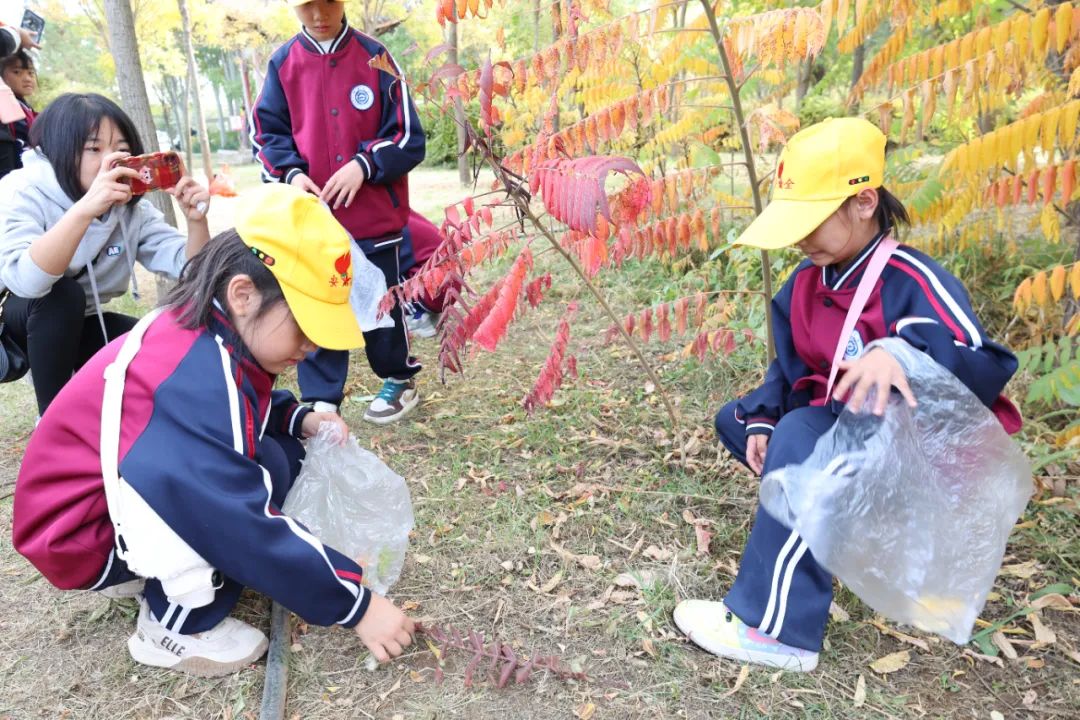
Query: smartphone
{"x": 157, "y": 171}
{"x": 34, "y": 23}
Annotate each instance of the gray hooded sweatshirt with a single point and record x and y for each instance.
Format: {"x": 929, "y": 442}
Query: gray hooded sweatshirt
{"x": 31, "y": 202}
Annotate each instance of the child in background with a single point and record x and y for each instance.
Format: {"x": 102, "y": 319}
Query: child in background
{"x": 329, "y": 123}
{"x": 18, "y": 73}
{"x": 209, "y": 448}
{"x": 828, "y": 199}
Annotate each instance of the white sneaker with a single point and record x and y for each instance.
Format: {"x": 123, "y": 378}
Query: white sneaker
{"x": 129, "y": 589}
{"x": 423, "y": 325}
{"x": 224, "y": 649}
{"x": 712, "y": 627}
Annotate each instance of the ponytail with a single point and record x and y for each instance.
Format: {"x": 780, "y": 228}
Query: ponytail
{"x": 890, "y": 211}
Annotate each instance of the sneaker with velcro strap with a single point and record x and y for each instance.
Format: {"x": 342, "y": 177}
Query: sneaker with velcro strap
{"x": 397, "y": 399}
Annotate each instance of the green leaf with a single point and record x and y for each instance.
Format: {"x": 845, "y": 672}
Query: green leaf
{"x": 1059, "y": 588}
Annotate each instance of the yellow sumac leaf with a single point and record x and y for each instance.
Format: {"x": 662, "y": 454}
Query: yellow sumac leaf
{"x": 967, "y": 48}
{"x": 1031, "y": 135}
{"x": 1039, "y": 29}
{"x": 1001, "y": 33}
{"x": 937, "y": 61}
{"x": 1062, "y": 25}
{"x": 842, "y": 11}
{"x": 1040, "y": 288}
{"x": 1051, "y": 225}
{"x": 983, "y": 41}
{"x": 1074, "y": 83}
{"x": 1021, "y": 33}
{"x": 1048, "y": 131}
{"x": 1022, "y": 296}
{"x": 1070, "y": 114}
{"x": 1057, "y": 282}
{"x": 1074, "y": 282}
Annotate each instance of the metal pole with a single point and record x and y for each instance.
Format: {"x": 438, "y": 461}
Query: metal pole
{"x": 276, "y": 686}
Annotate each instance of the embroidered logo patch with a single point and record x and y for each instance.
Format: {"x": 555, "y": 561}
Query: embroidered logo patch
{"x": 854, "y": 346}
{"x": 780, "y": 181}
{"x": 362, "y": 97}
{"x": 113, "y": 251}
{"x": 343, "y": 265}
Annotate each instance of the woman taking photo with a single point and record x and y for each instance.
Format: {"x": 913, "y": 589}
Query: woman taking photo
{"x": 71, "y": 231}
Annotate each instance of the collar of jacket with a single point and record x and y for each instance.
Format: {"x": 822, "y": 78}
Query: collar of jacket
{"x": 311, "y": 44}
{"x": 221, "y": 326}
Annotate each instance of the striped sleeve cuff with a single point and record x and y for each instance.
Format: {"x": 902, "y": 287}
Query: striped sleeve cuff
{"x": 296, "y": 421}
{"x": 365, "y": 162}
{"x": 287, "y": 178}
{"x": 358, "y": 609}
{"x": 760, "y": 425}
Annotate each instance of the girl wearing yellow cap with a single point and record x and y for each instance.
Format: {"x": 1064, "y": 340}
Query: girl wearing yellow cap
{"x": 828, "y": 200}
{"x": 169, "y": 455}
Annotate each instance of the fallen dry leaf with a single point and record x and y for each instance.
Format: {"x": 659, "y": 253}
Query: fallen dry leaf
{"x": 860, "y": 692}
{"x": 891, "y": 662}
{"x": 585, "y": 711}
{"x": 654, "y": 553}
{"x": 1022, "y": 570}
{"x": 1054, "y": 601}
{"x": 984, "y": 658}
{"x": 647, "y": 646}
{"x": 552, "y": 583}
{"x": 744, "y": 672}
{"x": 703, "y": 537}
{"x": 1043, "y": 634}
{"x": 1030, "y": 697}
{"x": 1003, "y": 644}
{"x": 838, "y": 613}
{"x": 1073, "y": 655}
{"x": 903, "y": 637}
{"x": 1036, "y": 663}
{"x": 422, "y": 559}
{"x": 589, "y": 562}
{"x": 636, "y": 579}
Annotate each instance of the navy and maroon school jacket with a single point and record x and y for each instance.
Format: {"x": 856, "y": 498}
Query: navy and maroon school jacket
{"x": 915, "y": 299}
{"x": 319, "y": 110}
{"x": 194, "y": 411}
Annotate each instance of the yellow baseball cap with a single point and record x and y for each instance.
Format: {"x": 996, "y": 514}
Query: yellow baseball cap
{"x": 298, "y": 3}
{"x": 310, "y": 254}
{"x": 820, "y": 167}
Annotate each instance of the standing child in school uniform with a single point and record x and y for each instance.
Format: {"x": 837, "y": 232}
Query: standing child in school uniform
{"x": 171, "y": 451}
{"x": 329, "y": 123}
{"x": 18, "y": 73}
{"x": 828, "y": 200}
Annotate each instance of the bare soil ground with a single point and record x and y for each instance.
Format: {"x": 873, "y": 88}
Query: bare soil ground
{"x": 525, "y": 529}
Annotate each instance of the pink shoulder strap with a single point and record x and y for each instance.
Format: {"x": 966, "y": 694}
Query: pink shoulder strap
{"x": 866, "y": 285}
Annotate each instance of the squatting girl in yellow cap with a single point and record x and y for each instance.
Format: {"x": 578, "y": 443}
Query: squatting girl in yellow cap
{"x": 829, "y": 201}
{"x": 174, "y": 434}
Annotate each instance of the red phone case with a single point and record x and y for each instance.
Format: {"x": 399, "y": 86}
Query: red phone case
{"x": 157, "y": 171}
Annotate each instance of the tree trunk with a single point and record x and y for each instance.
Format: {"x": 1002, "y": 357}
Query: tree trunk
{"x": 185, "y": 107}
{"x": 536, "y": 26}
{"x": 806, "y": 73}
{"x": 220, "y": 116}
{"x": 165, "y": 114}
{"x": 193, "y": 83}
{"x": 245, "y": 92}
{"x": 129, "y": 75}
{"x": 858, "y": 62}
{"x": 459, "y": 111}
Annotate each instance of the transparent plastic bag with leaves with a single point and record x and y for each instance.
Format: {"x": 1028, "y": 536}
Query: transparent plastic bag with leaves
{"x": 911, "y": 510}
{"x": 349, "y": 499}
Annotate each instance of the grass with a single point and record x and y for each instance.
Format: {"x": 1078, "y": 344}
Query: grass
{"x": 503, "y": 503}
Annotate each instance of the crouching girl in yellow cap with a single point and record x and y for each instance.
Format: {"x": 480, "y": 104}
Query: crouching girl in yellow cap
{"x": 828, "y": 200}
{"x": 169, "y": 454}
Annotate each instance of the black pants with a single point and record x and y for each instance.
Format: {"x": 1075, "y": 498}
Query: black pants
{"x": 57, "y": 334}
{"x": 322, "y": 375}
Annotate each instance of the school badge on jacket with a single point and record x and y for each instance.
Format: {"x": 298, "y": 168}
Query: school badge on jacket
{"x": 362, "y": 97}
{"x": 854, "y": 346}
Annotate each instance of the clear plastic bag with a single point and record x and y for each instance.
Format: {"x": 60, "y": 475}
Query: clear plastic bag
{"x": 911, "y": 511}
{"x": 354, "y": 503}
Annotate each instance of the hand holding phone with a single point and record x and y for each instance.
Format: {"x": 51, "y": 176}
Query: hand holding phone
{"x": 156, "y": 171}
{"x": 34, "y": 24}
